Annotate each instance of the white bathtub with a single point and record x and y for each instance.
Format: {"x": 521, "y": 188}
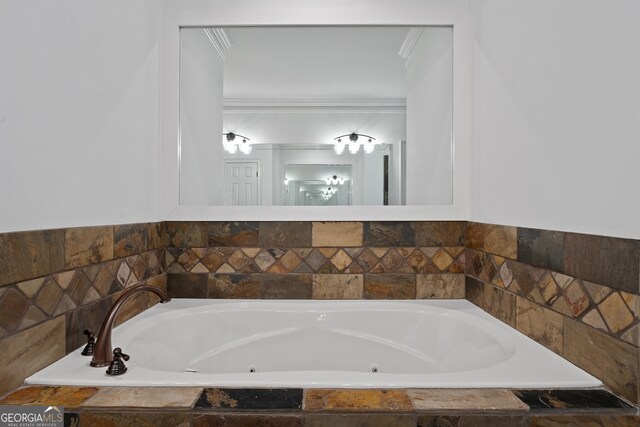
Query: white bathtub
{"x": 356, "y": 344}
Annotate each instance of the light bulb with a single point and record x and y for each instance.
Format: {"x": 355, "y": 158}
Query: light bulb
{"x": 369, "y": 146}
{"x": 232, "y": 148}
{"x": 286, "y": 181}
{"x": 245, "y": 148}
{"x": 354, "y": 147}
{"x": 338, "y": 147}
{"x": 327, "y": 181}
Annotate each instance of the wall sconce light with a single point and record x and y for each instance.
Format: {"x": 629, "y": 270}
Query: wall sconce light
{"x": 334, "y": 180}
{"x": 231, "y": 146}
{"x": 354, "y": 145}
{"x": 286, "y": 181}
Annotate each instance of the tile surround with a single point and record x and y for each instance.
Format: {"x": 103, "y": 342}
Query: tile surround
{"x": 539, "y": 281}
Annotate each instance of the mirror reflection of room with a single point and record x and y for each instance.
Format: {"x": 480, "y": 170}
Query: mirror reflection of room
{"x": 269, "y": 115}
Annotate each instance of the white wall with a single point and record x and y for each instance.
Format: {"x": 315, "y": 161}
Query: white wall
{"x": 429, "y": 119}
{"x": 201, "y": 150}
{"x": 78, "y": 112}
{"x": 557, "y": 114}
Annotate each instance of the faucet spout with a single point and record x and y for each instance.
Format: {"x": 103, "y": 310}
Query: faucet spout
{"x": 103, "y": 352}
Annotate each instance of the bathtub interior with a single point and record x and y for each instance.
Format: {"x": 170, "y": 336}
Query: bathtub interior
{"x": 245, "y": 338}
{"x": 317, "y": 344}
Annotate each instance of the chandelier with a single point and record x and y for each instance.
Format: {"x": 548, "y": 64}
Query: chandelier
{"x": 326, "y": 195}
{"x": 334, "y": 180}
{"x": 354, "y": 145}
{"x": 231, "y": 145}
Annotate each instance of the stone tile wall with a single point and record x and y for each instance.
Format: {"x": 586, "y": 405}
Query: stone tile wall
{"x": 578, "y": 295}
{"x": 321, "y": 260}
{"x": 237, "y": 407}
{"x": 56, "y": 283}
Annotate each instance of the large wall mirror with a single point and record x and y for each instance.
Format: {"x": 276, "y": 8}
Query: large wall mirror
{"x": 316, "y": 116}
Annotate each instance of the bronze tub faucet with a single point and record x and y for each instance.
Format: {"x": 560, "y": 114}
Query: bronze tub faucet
{"x": 103, "y": 352}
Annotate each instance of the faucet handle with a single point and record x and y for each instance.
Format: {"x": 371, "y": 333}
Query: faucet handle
{"x": 117, "y": 366}
{"x": 118, "y": 352}
{"x": 91, "y": 341}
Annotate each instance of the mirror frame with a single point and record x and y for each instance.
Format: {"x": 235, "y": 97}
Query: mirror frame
{"x": 221, "y": 13}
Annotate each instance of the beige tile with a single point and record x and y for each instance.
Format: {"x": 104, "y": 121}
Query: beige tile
{"x": 465, "y": 399}
{"x": 145, "y": 397}
{"x": 30, "y": 288}
{"x": 69, "y": 396}
{"x": 29, "y": 351}
{"x": 616, "y": 313}
{"x": 500, "y": 304}
{"x": 336, "y": 234}
{"x": 495, "y": 239}
{"x": 440, "y": 286}
{"x": 543, "y": 325}
{"x": 338, "y": 286}
{"x": 87, "y": 245}
{"x": 611, "y": 360}
{"x": 350, "y": 400}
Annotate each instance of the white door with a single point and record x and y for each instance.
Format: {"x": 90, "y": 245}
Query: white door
{"x": 241, "y": 184}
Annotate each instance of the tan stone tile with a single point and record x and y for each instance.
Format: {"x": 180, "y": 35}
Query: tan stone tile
{"x": 633, "y": 302}
{"x": 389, "y": 286}
{"x": 596, "y": 292}
{"x": 87, "y": 245}
{"x": 506, "y": 275}
{"x": 500, "y": 304}
{"x": 440, "y": 233}
{"x": 277, "y": 267}
{"x": 611, "y": 360}
{"x": 440, "y": 286}
{"x": 212, "y": 260}
{"x": 290, "y": 260}
{"x": 44, "y": 343}
{"x": 341, "y": 260}
{"x": 251, "y": 252}
{"x": 65, "y": 305}
{"x": 495, "y": 239}
{"x": 238, "y": 259}
{"x": 379, "y": 252}
{"x": 337, "y": 234}
{"x": 548, "y": 287}
{"x": 576, "y": 298}
{"x": 616, "y": 313}
{"x": 31, "y": 317}
{"x": 199, "y": 268}
{"x": 69, "y": 396}
{"x": 349, "y": 400}
{"x": 465, "y": 399}
{"x": 560, "y": 305}
{"x": 593, "y": 318}
{"x": 225, "y": 268}
{"x": 31, "y": 287}
{"x": 392, "y": 260}
{"x": 540, "y": 324}
{"x": 144, "y": 397}
{"x": 632, "y": 335}
{"x": 562, "y": 280}
{"x": 442, "y": 260}
{"x": 338, "y": 286}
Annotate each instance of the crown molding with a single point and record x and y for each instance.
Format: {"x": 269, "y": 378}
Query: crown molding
{"x": 219, "y": 39}
{"x": 315, "y": 105}
{"x": 410, "y": 44}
